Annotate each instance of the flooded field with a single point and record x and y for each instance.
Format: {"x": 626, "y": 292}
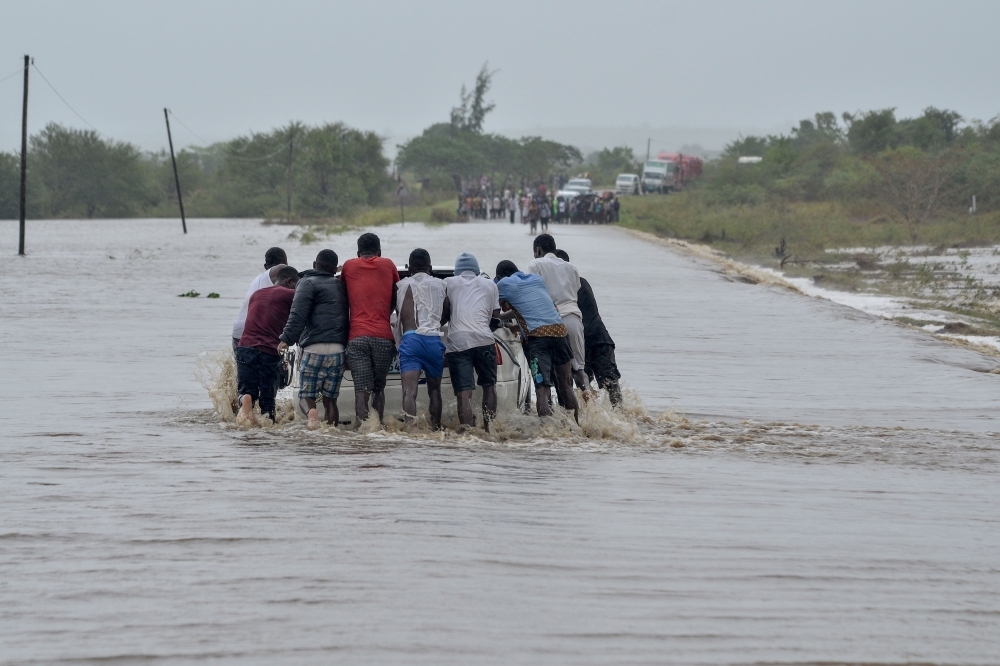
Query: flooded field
{"x": 795, "y": 481}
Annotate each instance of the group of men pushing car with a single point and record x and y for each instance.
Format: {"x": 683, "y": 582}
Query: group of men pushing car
{"x": 345, "y": 321}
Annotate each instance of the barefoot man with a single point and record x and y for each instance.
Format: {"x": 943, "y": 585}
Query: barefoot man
{"x": 472, "y": 358}
{"x": 371, "y": 290}
{"x": 546, "y": 344}
{"x": 319, "y": 323}
{"x": 563, "y": 282}
{"x": 257, "y": 358}
{"x": 420, "y": 302}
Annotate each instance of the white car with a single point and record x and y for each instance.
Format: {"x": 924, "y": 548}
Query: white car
{"x": 514, "y": 385}
{"x": 627, "y": 183}
{"x": 575, "y": 187}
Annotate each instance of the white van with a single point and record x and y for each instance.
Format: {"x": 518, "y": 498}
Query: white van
{"x": 514, "y": 386}
{"x": 627, "y": 183}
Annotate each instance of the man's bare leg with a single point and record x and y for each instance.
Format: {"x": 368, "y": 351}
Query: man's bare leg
{"x": 582, "y": 383}
{"x": 464, "y": 399}
{"x": 542, "y": 400}
{"x": 564, "y": 386}
{"x": 378, "y": 402}
{"x": 308, "y": 405}
{"x": 614, "y": 392}
{"x": 489, "y": 405}
{"x": 361, "y": 405}
{"x": 434, "y": 396}
{"x": 332, "y": 412}
{"x": 246, "y": 408}
{"x": 411, "y": 382}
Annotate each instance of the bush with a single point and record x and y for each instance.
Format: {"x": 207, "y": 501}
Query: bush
{"x": 441, "y": 214}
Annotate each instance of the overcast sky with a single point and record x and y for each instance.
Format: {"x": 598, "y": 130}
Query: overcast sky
{"x": 228, "y": 67}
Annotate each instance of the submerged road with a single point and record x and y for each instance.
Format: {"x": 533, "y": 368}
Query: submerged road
{"x": 134, "y": 527}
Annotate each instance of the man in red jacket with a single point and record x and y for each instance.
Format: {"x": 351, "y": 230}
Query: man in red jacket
{"x": 257, "y": 358}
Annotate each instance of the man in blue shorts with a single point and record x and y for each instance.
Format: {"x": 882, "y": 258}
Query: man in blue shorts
{"x": 420, "y": 304}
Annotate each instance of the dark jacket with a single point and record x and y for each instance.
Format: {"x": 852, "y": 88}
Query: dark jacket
{"x": 594, "y": 331}
{"x": 319, "y": 311}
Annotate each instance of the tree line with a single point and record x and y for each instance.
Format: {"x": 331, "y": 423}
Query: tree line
{"x": 326, "y": 170}
{"x": 914, "y": 167}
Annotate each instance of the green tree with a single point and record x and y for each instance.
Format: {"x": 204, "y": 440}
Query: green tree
{"x": 872, "y": 132}
{"x": 85, "y": 174}
{"x": 10, "y": 186}
{"x": 915, "y": 183}
{"x": 472, "y": 110}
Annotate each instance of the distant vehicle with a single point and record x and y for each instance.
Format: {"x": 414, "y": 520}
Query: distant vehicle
{"x": 575, "y": 187}
{"x": 658, "y": 176}
{"x": 627, "y": 183}
{"x": 747, "y": 159}
{"x": 686, "y": 167}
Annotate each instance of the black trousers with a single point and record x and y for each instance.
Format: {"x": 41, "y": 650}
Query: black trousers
{"x": 257, "y": 377}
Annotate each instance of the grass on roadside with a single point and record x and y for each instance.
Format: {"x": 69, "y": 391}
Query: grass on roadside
{"x": 808, "y": 228}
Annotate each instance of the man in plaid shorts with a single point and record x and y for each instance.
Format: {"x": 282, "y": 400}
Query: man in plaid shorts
{"x": 371, "y": 292}
{"x": 319, "y": 323}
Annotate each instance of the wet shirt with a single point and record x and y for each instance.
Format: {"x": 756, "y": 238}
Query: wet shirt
{"x": 369, "y": 282}
{"x": 594, "y": 331}
{"x": 266, "y": 318}
{"x": 428, "y": 294}
{"x": 262, "y": 281}
{"x": 562, "y": 280}
{"x": 528, "y": 295}
{"x": 473, "y": 300}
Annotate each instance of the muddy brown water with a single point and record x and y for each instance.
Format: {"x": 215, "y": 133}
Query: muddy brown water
{"x": 795, "y": 482}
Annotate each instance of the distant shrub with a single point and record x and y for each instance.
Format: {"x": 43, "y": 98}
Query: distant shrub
{"x": 737, "y": 195}
{"x": 441, "y": 214}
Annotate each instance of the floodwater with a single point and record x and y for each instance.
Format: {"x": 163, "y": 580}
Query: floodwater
{"x": 805, "y": 482}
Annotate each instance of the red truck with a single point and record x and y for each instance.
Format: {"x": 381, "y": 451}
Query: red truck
{"x": 686, "y": 167}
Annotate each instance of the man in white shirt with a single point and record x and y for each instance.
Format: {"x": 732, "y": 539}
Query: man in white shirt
{"x": 474, "y": 311}
{"x": 274, "y": 259}
{"x": 563, "y": 282}
{"x": 420, "y": 302}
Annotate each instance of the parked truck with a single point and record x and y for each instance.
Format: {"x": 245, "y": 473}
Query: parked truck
{"x": 686, "y": 167}
{"x": 658, "y": 176}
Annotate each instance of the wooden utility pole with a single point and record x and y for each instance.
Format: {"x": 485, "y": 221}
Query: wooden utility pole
{"x": 288, "y": 185}
{"x": 648, "y": 142}
{"x": 401, "y": 192}
{"x": 177, "y": 179}
{"x": 24, "y": 159}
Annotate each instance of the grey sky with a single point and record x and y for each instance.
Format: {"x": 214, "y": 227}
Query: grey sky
{"x": 228, "y": 67}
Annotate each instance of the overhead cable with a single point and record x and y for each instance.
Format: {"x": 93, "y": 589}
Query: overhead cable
{"x": 12, "y": 75}
{"x": 68, "y": 106}
{"x": 226, "y": 152}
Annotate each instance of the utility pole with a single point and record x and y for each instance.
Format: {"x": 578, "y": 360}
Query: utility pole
{"x": 401, "y": 192}
{"x": 24, "y": 159}
{"x": 648, "y": 142}
{"x": 177, "y": 179}
{"x": 288, "y": 184}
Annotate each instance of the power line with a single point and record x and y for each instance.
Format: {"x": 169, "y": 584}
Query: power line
{"x": 228, "y": 153}
{"x": 63, "y": 99}
{"x": 12, "y": 75}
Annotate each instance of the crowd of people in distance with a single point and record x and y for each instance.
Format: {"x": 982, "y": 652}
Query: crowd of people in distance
{"x": 342, "y": 318}
{"x": 539, "y": 207}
